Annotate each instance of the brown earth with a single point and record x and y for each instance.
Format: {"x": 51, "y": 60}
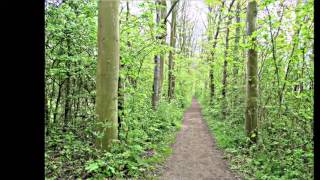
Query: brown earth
{"x": 195, "y": 155}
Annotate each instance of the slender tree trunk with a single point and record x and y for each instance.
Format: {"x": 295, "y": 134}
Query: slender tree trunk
{"x": 51, "y": 97}
{"x": 171, "y": 54}
{"x": 225, "y": 64}
{"x": 121, "y": 80}
{"x": 224, "y": 80}
{"x": 79, "y": 98}
{"x": 235, "y": 63}
{"x": 107, "y": 72}
{"x": 120, "y": 96}
{"x": 236, "y": 42}
{"x": 156, "y": 76}
{"x": 215, "y": 41}
{"x": 211, "y": 84}
{"x": 302, "y": 70}
{"x": 163, "y": 13}
{"x": 67, "y": 106}
{"x": 55, "y": 113}
{"x": 47, "y": 120}
{"x": 252, "y": 83}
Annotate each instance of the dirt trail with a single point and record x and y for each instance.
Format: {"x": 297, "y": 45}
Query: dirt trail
{"x": 195, "y": 156}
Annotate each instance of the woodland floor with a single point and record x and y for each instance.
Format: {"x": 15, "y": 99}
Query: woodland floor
{"x": 195, "y": 155}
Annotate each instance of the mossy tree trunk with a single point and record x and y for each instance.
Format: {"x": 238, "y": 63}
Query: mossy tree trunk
{"x": 107, "y": 72}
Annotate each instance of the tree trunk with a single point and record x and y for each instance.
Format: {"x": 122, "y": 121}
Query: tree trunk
{"x": 163, "y": 13}
{"x": 156, "y": 76}
{"x": 107, "y": 72}
{"x": 211, "y": 76}
{"x": 121, "y": 80}
{"x": 55, "y": 113}
{"x": 236, "y": 41}
{"x": 171, "y": 54}
{"x": 252, "y": 83}
{"x": 225, "y": 64}
{"x": 47, "y": 120}
{"x": 235, "y": 63}
{"x": 67, "y": 105}
{"x": 211, "y": 84}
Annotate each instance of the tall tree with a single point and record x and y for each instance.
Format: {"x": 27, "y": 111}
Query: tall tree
{"x": 107, "y": 72}
{"x": 163, "y": 13}
{"x": 67, "y": 105}
{"x": 225, "y": 63}
{"x": 235, "y": 64}
{"x": 171, "y": 77}
{"x": 121, "y": 84}
{"x": 215, "y": 41}
{"x": 252, "y": 76}
{"x": 156, "y": 76}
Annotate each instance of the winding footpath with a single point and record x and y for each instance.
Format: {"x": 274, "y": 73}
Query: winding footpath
{"x": 195, "y": 156}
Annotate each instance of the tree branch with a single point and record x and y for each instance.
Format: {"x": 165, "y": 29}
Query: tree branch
{"x": 173, "y": 5}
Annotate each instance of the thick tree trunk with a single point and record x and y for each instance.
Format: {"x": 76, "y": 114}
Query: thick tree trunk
{"x": 171, "y": 54}
{"x": 107, "y": 72}
{"x": 252, "y": 82}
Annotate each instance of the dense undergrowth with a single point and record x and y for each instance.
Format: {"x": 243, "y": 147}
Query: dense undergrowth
{"x": 282, "y": 152}
{"x": 144, "y": 142}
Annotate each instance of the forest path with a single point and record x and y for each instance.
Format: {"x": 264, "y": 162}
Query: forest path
{"x": 195, "y": 156}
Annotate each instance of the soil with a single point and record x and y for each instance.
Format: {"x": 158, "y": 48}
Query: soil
{"x": 195, "y": 155}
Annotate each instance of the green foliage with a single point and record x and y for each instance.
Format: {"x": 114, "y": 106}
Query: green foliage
{"x": 281, "y": 153}
{"x": 144, "y": 135}
{"x": 285, "y": 128}
{"x": 285, "y": 104}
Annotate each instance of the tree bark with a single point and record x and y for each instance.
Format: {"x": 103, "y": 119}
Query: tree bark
{"x": 252, "y": 83}
{"x": 107, "y": 72}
